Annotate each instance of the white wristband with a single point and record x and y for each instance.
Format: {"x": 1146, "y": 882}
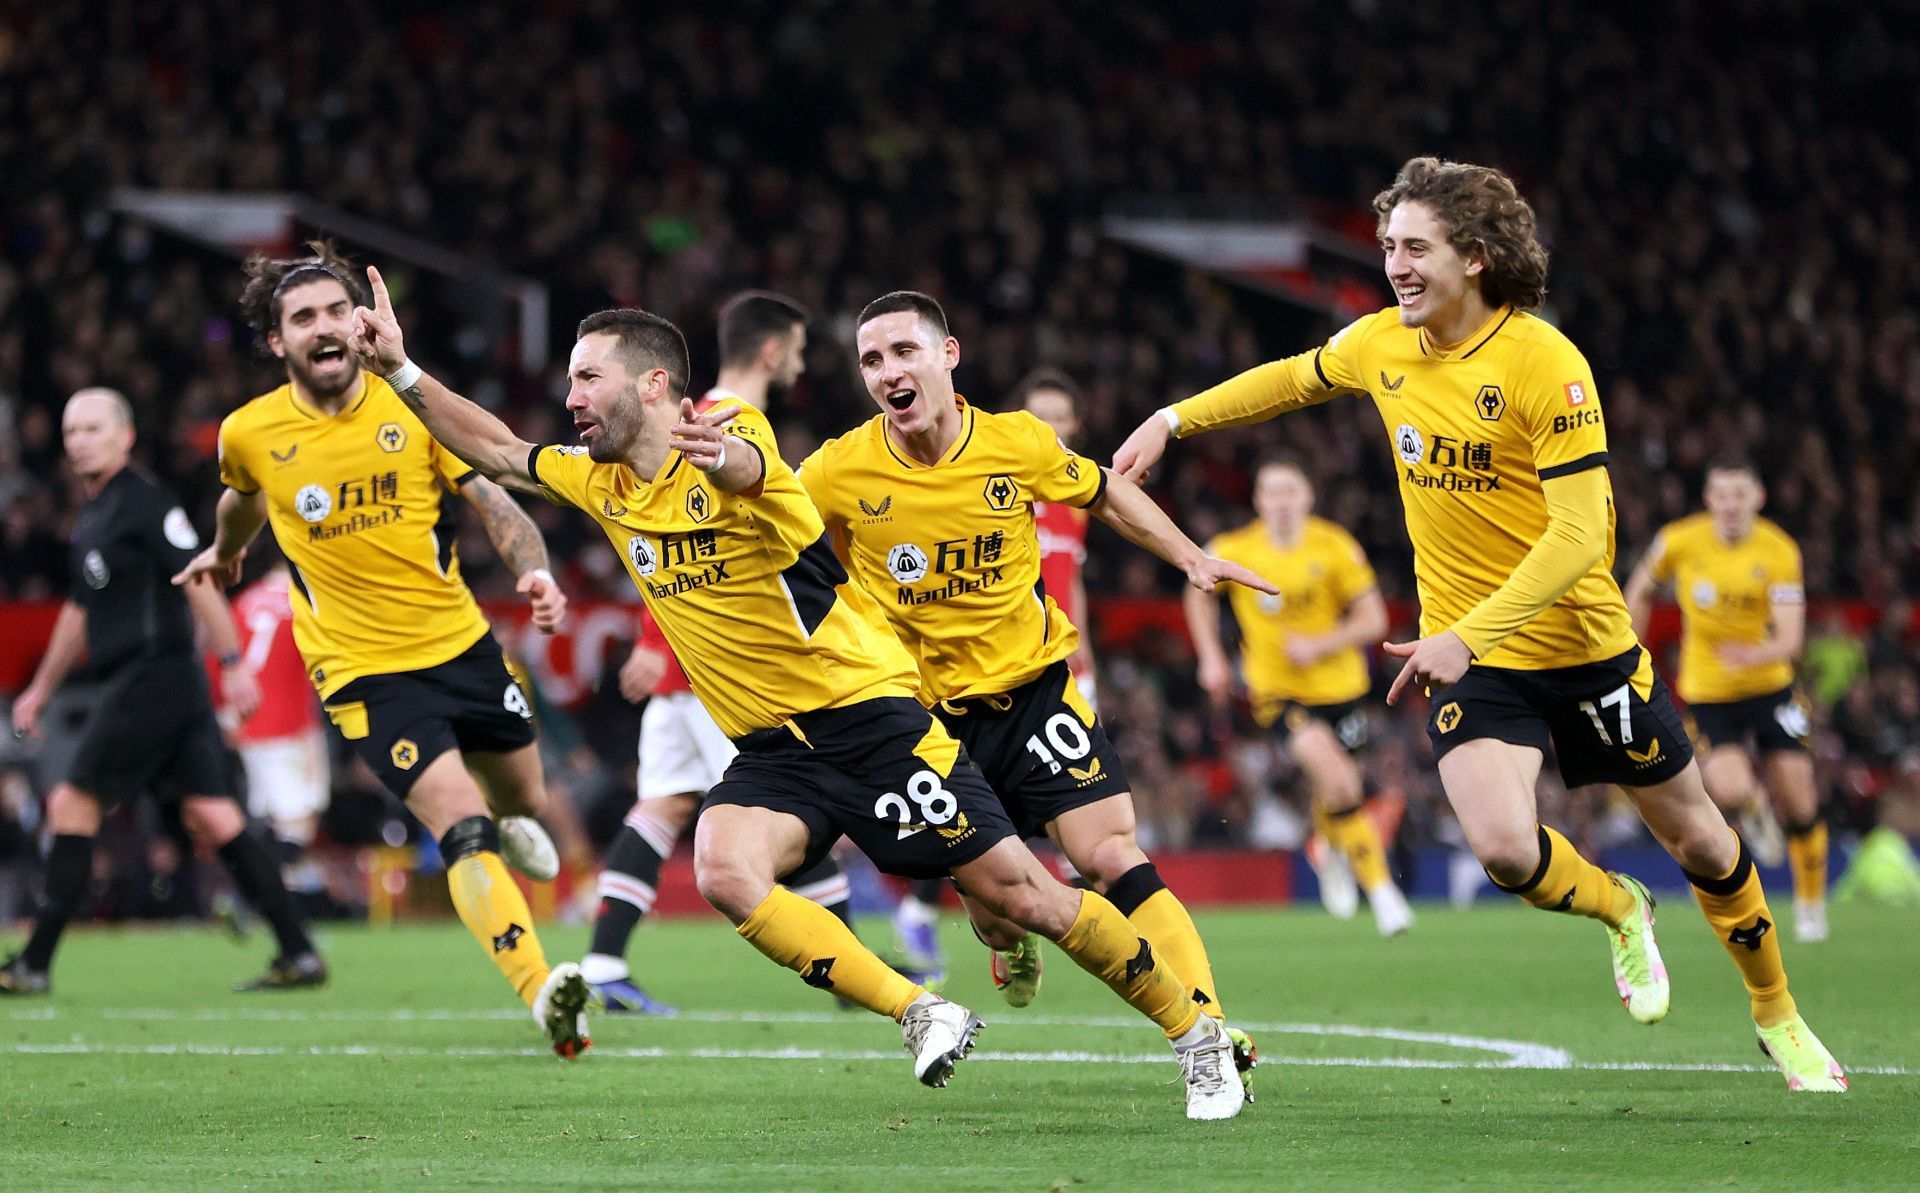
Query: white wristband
{"x": 405, "y": 377}
{"x": 719, "y": 462}
{"x": 546, "y": 575}
{"x": 1173, "y": 420}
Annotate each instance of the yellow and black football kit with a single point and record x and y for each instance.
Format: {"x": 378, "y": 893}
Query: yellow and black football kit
{"x": 391, "y": 635}
{"x": 792, "y": 658}
{"x": 1502, "y": 450}
{"x": 1726, "y": 593}
{"x": 950, "y": 552}
{"x": 1319, "y": 577}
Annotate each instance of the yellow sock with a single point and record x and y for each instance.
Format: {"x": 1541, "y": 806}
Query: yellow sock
{"x": 1736, "y": 907}
{"x": 812, "y": 941}
{"x": 1567, "y": 882}
{"x": 1807, "y": 851}
{"x": 1103, "y": 942}
{"x": 1353, "y": 834}
{"x": 1158, "y": 915}
{"x": 493, "y": 909}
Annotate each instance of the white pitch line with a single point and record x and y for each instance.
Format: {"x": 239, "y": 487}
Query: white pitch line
{"x": 888, "y": 1056}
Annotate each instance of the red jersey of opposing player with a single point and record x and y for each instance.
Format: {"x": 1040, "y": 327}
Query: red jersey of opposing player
{"x": 1063, "y": 548}
{"x": 263, "y": 613}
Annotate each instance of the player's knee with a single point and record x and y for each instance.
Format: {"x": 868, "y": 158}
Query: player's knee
{"x": 72, "y": 812}
{"x": 733, "y": 887}
{"x": 1110, "y": 858}
{"x": 211, "y": 822}
{"x": 1510, "y": 858}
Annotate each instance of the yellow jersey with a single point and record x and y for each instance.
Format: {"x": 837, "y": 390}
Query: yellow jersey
{"x": 355, "y": 502}
{"x": 1726, "y": 592}
{"x": 1319, "y": 578}
{"x": 950, "y": 550}
{"x": 1477, "y": 427}
{"x": 762, "y": 616}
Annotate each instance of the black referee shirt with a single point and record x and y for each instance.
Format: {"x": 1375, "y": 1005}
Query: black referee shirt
{"x": 127, "y": 544}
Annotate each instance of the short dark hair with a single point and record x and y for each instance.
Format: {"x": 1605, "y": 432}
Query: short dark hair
{"x": 1284, "y": 457}
{"x": 1046, "y": 377}
{"x": 1731, "y": 461}
{"x": 749, "y": 319}
{"x": 270, "y": 277}
{"x": 896, "y": 301}
{"x": 647, "y": 341}
{"x": 1484, "y": 214}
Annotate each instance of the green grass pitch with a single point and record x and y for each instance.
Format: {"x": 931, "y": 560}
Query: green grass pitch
{"x": 1485, "y": 1050}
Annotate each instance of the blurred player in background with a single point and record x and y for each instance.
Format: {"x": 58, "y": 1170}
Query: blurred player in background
{"x": 1302, "y": 659}
{"x": 1493, "y": 415}
{"x": 153, "y": 728}
{"x": 683, "y": 754}
{"x": 797, "y": 665}
{"x": 933, "y": 501}
{"x": 1743, "y": 621}
{"x": 405, "y": 663}
{"x": 1052, "y": 397}
{"x": 282, "y": 746}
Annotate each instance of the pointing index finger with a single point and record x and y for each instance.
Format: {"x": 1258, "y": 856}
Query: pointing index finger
{"x": 381, "y": 301}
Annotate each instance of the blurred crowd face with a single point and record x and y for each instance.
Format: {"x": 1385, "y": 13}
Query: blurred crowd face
{"x": 315, "y": 320}
{"x": 98, "y": 437}
{"x": 604, "y": 398}
{"x": 1430, "y": 279}
{"x": 1055, "y": 408}
{"x": 1734, "y": 497}
{"x": 790, "y": 356}
{"x": 1283, "y": 497}
{"x": 908, "y": 371}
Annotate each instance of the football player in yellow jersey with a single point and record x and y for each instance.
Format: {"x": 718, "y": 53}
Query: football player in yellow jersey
{"x": 1301, "y": 655}
{"x": 933, "y": 499}
{"x": 1503, "y": 450}
{"x": 1744, "y": 619}
{"x": 392, "y": 638}
{"x": 797, "y": 665}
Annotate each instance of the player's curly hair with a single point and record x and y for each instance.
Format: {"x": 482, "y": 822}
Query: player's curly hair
{"x": 1485, "y": 217}
{"x": 270, "y": 277}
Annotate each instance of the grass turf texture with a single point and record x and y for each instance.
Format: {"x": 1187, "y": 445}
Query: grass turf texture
{"x": 415, "y": 1069}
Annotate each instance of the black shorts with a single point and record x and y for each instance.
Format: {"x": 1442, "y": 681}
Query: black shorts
{"x": 881, "y": 772}
{"x": 1776, "y": 721}
{"x": 1608, "y": 722}
{"x": 400, "y": 723}
{"x": 1347, "y": 719}
{"x": 152, "y": 730}
{"x": 1041, "y": 747}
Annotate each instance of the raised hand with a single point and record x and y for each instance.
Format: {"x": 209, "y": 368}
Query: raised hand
{"x": 376, "y": 337}
{"x": 701, "y": 438}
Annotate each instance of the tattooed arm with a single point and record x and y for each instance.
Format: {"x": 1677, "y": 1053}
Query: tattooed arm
{"x": 520, "y": 547}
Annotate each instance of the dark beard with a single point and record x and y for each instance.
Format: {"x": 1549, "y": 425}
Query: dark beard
{"x": 621, "y": 431}
{"x": 312, "y": 384}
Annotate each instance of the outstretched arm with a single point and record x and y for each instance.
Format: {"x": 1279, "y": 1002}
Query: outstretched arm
{"x": 1134, "y": 514}
{"x": 520, "y": 546}
{"x": 463, "y": 428}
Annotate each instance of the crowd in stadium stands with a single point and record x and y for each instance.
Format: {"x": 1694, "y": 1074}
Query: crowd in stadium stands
{"x": 1729, "y": 229}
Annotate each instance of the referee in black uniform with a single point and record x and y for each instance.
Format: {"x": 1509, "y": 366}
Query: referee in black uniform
{"x": 152, "y": 729}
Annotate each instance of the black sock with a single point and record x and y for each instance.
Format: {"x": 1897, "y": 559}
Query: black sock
{"x": 627, "y": 886}
{"x": 929, "y": 890}
{"x": 827, "y": 871}
{"x": 258, "y": 877}
{"x": 69, "y": 868}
